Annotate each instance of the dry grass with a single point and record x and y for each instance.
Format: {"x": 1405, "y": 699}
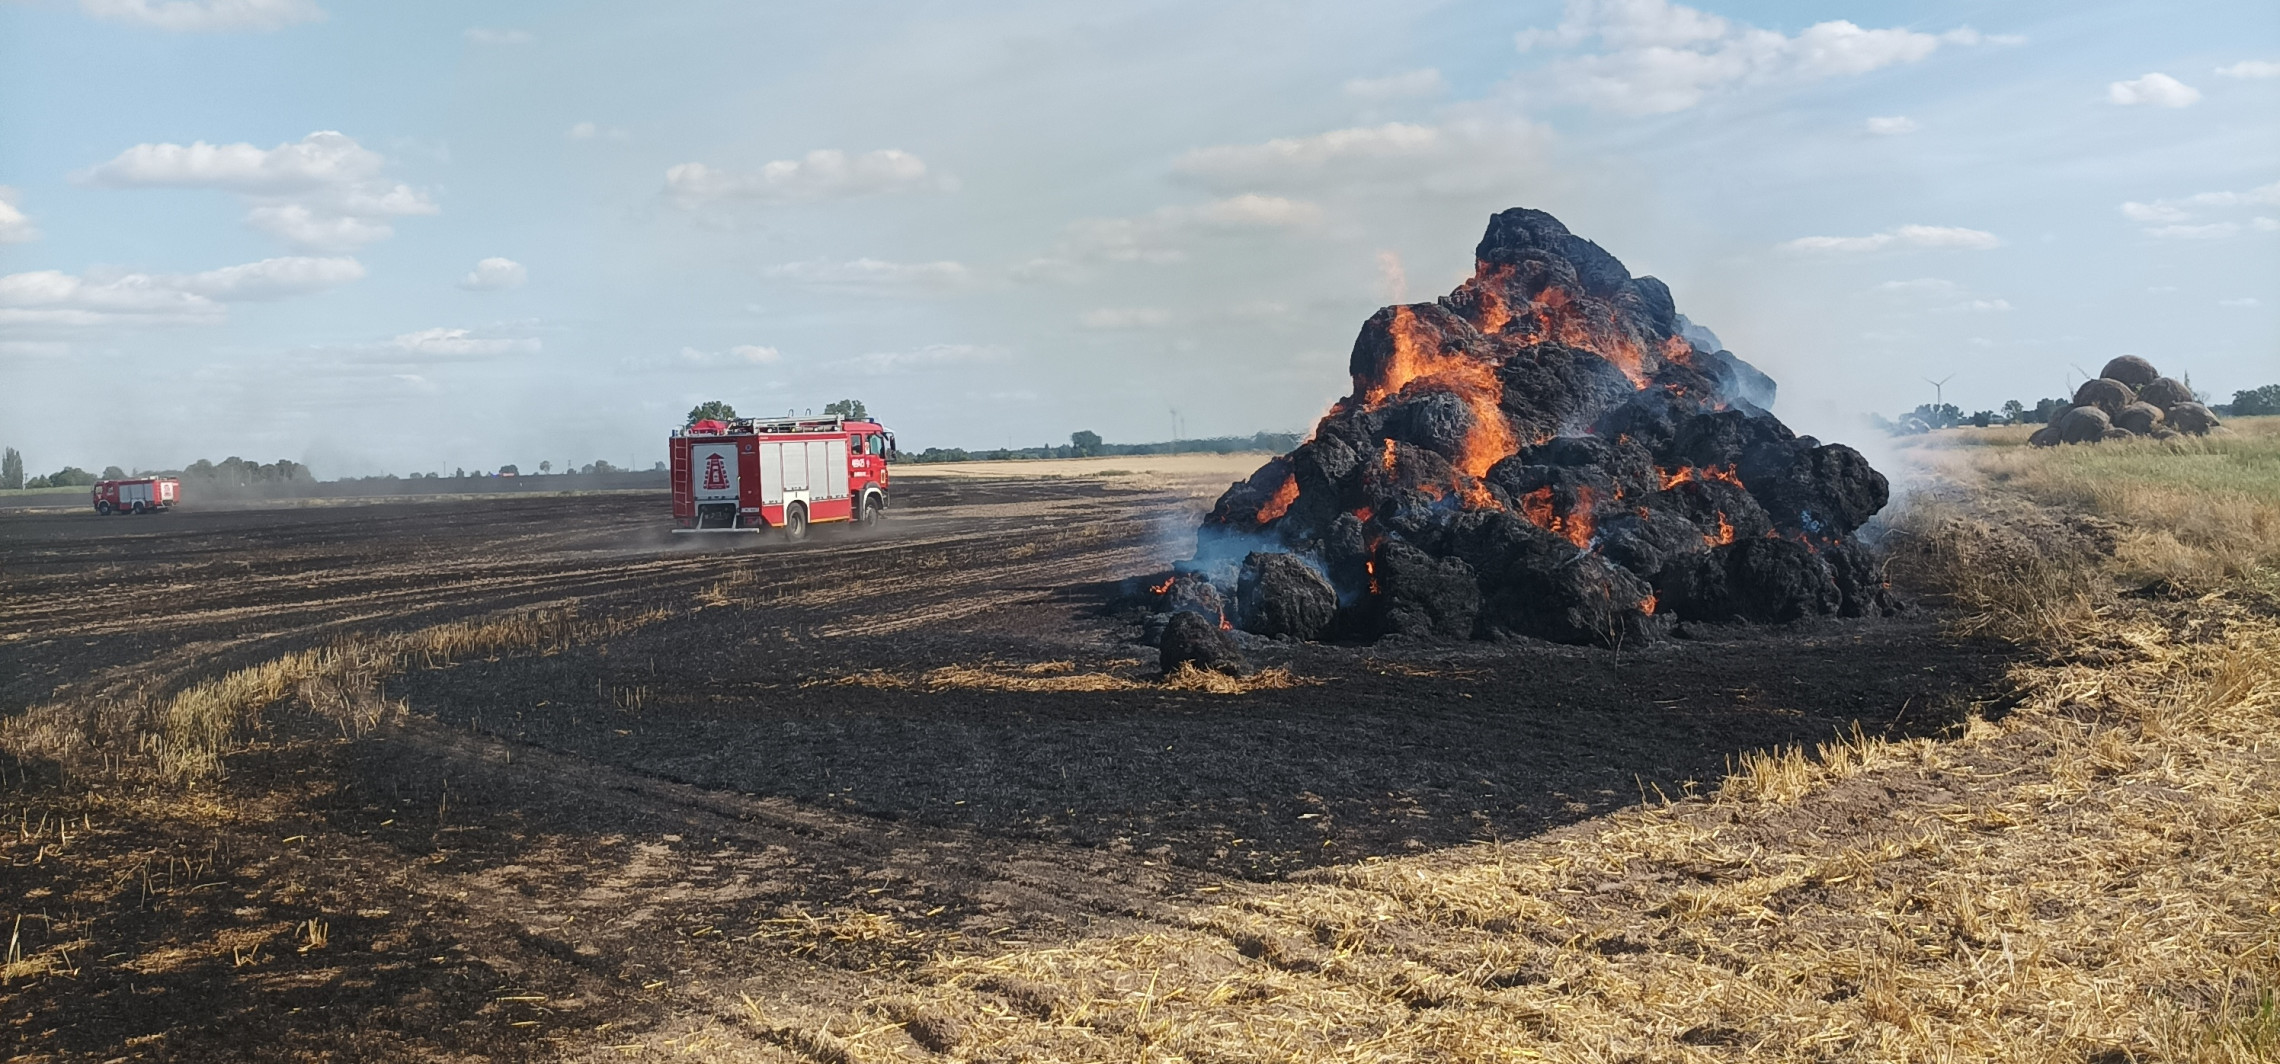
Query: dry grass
{"x": 2094, "y": 877}
{"x": 1065, "y": 676}
{"x": 186, "y": 737}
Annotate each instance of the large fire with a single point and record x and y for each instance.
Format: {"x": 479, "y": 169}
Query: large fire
{"x": 1600, "y": 449}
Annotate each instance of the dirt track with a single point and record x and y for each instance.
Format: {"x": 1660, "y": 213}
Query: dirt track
{"x": 621, "y": 835}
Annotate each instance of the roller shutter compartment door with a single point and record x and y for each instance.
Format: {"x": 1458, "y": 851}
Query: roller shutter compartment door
{"x": 818, "y": 473}
{"x": 772, "y": 474}
{"x": 796, "y": 467}
{"x": 835, "y": 469}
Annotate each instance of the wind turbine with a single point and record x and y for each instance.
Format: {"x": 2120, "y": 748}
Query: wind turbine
{"x": 1939, "y": 389}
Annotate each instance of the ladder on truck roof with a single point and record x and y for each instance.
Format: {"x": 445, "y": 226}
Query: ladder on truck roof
{"x": 737, "y": 426}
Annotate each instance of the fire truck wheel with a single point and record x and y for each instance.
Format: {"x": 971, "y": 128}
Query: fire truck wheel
{"x": 138, "y": 509}
{"x": 795, "y": 522}
{"x": 103, "y": 507}
{"x": 870, "y": 515}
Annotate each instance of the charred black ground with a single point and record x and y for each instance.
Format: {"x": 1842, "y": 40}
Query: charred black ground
{"x": 1542, "y": 452}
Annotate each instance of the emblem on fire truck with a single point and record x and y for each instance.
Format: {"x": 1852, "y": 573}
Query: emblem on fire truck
{"x": 716, "y": 473}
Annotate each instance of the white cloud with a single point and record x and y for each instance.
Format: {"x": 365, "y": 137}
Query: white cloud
{"x": 871, "y": 272}
{"x": 54, "y": 299}
{"x": 440, "y": 344}
{"x": 1122, "y": 318}
{"x": 1164, "y": 235}
{"x": 1662, "y": 57}
{"x": 1893, "y": 125}
{"x": 930, "y": 357}
{"x": 33, "y": 349}
{"x": 15, "y": 228}
{"x": 482, "y": 35}
{"x": 1906, "y": 236}
{"x": 823, "y": 174}
{"x": 323, "y": 192}
{"x": 2211, "y": 231}
{"x": 2156, "y": 90}
{"x": 2244, "y": 301}
{"x": 1941, "y": 296}
{"x": 592, "y": 131}
{"x": 494, "y": 273}
{"x": 1411, "y": 85}
{"x": 2250, "y": 68}
{"x": 2168, "y": 215}
{"x": 272, "y": 278}
{"x": 2264, "y": 225}
{"x": 1931, "y": 285}
{"x": 1285, "y": 155}
{"x": 203, "y": 15}
{"x": 737, "y": 357}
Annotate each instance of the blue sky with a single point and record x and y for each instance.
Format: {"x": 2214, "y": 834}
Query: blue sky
{"x": 394, "y": 237}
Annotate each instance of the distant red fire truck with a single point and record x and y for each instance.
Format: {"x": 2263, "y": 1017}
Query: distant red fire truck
{"x": 136, "y": 495}
{"x": 753, "y": 474}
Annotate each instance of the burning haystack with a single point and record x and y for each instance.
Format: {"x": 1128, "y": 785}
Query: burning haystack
{"x": 2128, "y": 398}
{"x": 1542, "y": 452}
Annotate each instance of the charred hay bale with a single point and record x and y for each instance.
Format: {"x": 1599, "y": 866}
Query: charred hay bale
{"x": 1435, "y": 420}
{"x": 1572, "y": 597}
{"x": 2139, "y": 418}
{"x": 2084, "y": 424}
{"x": 1421, "y": 595}
{"x": 1430, "y": 330}
{"x": 2164, "y": 432}
{"x": 1737, "y": 381}
{"x": 1861, "y": 588}
{"x": 1277, "y": 594}
{"x": 1191, "y": 592}
{"x": 1551, "y": 389}
{"x": 1648, "y": 540}
{"x": 1722, "y": 437}
{"x": 1190, "y": 639}
{"x": 1766, "y": 580}
{"x": 2046, "y": 436}
{"x": 2107, "y": 395}
{"x": 2130, "y": 370}
{"x": 2165, "y": 393}
{"x": 1826, "y": 491}
{"x": 2117, "y": 434}
{"x": 1720, "y": 511}
{"x": 1240, "y": 504}
{"x": 2192, "y": 419}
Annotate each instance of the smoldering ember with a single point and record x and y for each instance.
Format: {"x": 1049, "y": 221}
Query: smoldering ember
{"x": 1550, "y": 450}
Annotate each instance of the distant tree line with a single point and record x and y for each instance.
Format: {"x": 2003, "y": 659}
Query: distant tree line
{"x": 1925, "y": 418}
{"x": 1088, "y": 444}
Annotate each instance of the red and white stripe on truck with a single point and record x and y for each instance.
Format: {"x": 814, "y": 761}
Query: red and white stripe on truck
{"x": 755, "y": 474}
{"x": 136, "y": 495}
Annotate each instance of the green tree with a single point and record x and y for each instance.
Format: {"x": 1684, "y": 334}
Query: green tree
{"x": 1086, "y": 441}
{"x": 851, "y": 409}
{"x": 509, "y": 470}
{"x": 11, "y": 468}
{"x": 712, "y": 409}
{"x": 2014, "y": 411}
{"x": 2250, "y": 403}
{"x": 546, "y": 467}
{"x": 112, "y": 472}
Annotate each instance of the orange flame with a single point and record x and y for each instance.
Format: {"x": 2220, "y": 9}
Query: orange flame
{"x": 1370, "y": 567}
{"x": 1364, "y": 514}
{"x": 1388, "y": 460}
{"x": 1647, "y": 605}
{"x": 1279, "y": 503}
{"x": 1417, "y": 357}
{"x": 1725, "y": 532}
{"x": 1165, "y": 586}
{"x": 1576, "y": 526}
{"x": 1689, "y": 473}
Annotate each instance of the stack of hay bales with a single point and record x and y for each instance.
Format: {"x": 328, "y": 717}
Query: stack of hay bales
{"x": 2129, "y": 399}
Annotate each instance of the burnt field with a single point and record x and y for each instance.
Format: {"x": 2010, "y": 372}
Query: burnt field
{"x": 937, "y": 724}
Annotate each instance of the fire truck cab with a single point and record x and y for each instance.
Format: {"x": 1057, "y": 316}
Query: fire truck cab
{"x": 136, "y": 495}
{"x": 755, "y": 474}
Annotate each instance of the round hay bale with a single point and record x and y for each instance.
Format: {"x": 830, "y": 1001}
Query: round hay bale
{"x": 2139, "y": 417}
{"x": 2193, "y": 419}
{"x": 2164, "y": 432}
{"x": 2105, "y": 394}
{"x": 2165, "y": 393}
{"x": 2131, "y": 370}
{"x": 2046, "y": 436}
{"x": 2084, "y": 424}
{"x": 2117, "y": 434}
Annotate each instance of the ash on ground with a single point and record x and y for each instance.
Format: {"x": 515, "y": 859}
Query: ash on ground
{"x": 1549, "y": 451}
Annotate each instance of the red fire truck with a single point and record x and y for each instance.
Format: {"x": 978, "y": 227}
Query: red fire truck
{"x": 136, "y": 495}
{"x": 753, "y": 474}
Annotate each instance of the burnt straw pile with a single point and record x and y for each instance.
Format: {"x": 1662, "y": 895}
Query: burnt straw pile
{"x": 1550, "y": 451}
